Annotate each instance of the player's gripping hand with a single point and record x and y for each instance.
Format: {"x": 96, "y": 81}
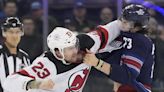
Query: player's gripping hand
{"x": 99, "y": 64}
{"x": 90, "y": 58}
{"x": 45, "y": 84}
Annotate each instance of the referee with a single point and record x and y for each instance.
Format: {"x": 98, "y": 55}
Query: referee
{"x": 12, "y": 58}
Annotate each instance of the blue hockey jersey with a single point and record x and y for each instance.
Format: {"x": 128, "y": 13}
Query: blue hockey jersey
{"x": 132, "y": 66}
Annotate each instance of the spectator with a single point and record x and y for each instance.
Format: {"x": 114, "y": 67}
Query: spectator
{"x": 155, "y": 14}
{"x": 152, "y": 12}
{"x": 159, "y": 73}
{"x": 152, "y": 28}
{"x": 161, "y": 32}
{"x": 106, "y": 15}
{"x": 31, "y": 42}
{"x": 79, "y": 19}
{"x": 10, "y": 9}
{"x": 37, "y": 14}
{"x": 23, "y": 7}
{"x": 68, "y": 24}
{"x": 1, "y": 5}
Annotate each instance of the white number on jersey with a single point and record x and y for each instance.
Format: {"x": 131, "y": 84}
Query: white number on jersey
{"x": 127, "y": 43}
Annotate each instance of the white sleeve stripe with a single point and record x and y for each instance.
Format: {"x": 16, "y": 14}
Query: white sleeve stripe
{"x": 133, "y": 58}
{"x": 133, "y": 67}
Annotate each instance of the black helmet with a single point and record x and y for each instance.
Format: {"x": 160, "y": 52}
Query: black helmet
{"x": 137, "y": 14}
{"x": 11, "y": 22}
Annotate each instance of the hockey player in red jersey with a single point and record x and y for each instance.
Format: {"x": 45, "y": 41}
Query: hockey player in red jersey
{"x": 56, "y": 70}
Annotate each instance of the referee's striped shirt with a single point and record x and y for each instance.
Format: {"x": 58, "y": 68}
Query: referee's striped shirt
{"x": 10, "y": 63}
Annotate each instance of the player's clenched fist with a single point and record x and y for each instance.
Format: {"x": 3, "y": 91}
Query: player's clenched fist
{"x": 45, "y": 84}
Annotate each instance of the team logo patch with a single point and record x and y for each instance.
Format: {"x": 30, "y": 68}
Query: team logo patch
{"x": 77, "y": 80}
{"x": 140, "y": 12}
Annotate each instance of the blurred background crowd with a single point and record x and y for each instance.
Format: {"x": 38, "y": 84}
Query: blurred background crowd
{"x": 40, "y": 17}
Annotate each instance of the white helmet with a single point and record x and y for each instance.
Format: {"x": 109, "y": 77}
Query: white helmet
{"x": 61, "y": 38}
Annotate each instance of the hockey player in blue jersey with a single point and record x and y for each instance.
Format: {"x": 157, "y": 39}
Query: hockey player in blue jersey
{"x": 132, "y": 66}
